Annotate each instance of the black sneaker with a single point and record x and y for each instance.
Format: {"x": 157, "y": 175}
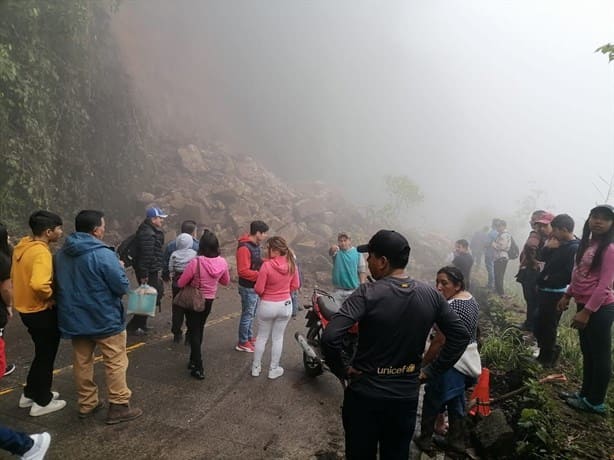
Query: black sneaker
{"x": 9, "y": 369}
{"x": 177, "y": 338}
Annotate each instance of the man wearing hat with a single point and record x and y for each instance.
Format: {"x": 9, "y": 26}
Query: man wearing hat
{"x": 349, "y": 268}
{"x": 395, "y": 315}
{"x": 148, "y": 261}
{"x": 531, "y": 264}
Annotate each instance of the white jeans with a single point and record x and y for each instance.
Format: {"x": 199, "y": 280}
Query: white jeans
{"x": 272, "y": 319}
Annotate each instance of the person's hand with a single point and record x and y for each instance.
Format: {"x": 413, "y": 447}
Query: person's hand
{"x": 580, "y": 320}
{"x": 9, "y": 311}
{"x": 563, "y": 303}
{"x": 552, "y": 243}
{"x": 422, "y": 378}
{"x": 352, "y": 373}
{"x": 121, "y": 262}
{"x": 142, "y": 280}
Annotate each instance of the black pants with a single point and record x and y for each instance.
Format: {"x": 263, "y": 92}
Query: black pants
{"x": 178, "y": 313}
{"x": 596, "y": 346}
{"x": 529, "y": 292}
{"x": 547, "y": 322}
{"x": 369, "y": 422}
{"x": 499, "y": 267}
{"x": 140, "y": 321}
{"x": 43, "y": 328}
{"x": 196, "y": 330}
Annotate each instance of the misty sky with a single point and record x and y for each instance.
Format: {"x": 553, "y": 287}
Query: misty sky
{"x": 479, "y": 102}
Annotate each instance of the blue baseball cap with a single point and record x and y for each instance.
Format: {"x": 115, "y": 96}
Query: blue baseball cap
{"x": 156, "y": 212}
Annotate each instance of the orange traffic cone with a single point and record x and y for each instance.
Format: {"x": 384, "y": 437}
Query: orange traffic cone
{"x": 480, "y": 398}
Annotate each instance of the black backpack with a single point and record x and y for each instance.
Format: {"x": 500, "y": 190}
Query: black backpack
{"x": 126, "y": 251}
{"x": 514, "y": 250}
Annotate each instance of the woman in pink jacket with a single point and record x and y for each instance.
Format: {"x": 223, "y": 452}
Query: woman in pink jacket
{"x": 277, "y": 277}
{"x": 591, "y": 287}
{"x": 204, "y": 271}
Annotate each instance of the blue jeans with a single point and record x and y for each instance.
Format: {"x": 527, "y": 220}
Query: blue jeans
{"x": 294, "y": 296}
{"x": 249, "y": 301}
{"x": 489, "y": 263}
{"x": 15, "y": 442}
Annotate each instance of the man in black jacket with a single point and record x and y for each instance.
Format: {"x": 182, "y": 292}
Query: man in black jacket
{"x": 395, "y": 315}
{"x": 559, "y": 254}
{"x": 148, "y": 262}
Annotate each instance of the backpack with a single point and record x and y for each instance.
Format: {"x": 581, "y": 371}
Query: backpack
{"x": 514, "y": 250}
{"x": 126, "y": 251}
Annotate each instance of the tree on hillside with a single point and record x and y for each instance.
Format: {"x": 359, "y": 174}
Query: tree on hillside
{"x": 402, "y": 195}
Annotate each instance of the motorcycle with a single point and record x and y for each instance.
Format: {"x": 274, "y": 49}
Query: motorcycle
{"x": 323, "y": 307}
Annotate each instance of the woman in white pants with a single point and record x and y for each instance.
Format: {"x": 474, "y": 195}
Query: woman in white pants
{"x": 276, "y": 279}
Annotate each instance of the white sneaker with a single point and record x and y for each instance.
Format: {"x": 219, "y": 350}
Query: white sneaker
{"x": 39, "y": 448}
{"x": 276, "y": 372}
{"x": 27, "y": 402}
{"x": 256, "y": 368}
{"x": 54, "y": 405}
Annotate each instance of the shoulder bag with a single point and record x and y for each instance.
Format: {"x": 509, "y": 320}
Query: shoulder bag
{"x": 189, "y": 297}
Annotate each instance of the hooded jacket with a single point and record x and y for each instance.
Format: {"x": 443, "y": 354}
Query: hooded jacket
{"x": 32, "y": 276}
{"x": 182, "y": 255}
{"x": 149, "y": 242}
{"x": 211, "y": 271}
{"x": 275, "y": 282}
{"x": 249, "y": 260}
{"x": 90, "y": 283}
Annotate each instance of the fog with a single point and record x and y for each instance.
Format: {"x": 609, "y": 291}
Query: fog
{"x": 479, "y": 102}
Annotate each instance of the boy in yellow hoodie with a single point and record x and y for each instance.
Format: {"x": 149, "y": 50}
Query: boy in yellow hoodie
{"x": 32, "y": 276}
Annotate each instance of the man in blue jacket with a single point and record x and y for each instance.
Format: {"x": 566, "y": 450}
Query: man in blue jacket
{"x": 90, "y": 283}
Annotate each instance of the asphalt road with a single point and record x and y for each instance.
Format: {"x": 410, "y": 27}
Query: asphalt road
{"x": 229, "y": 415}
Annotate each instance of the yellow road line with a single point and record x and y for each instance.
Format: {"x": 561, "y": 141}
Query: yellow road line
{"x": 129, "y": 349}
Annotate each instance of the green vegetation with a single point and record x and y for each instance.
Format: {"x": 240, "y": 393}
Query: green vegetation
{"x": 68, "y": 130}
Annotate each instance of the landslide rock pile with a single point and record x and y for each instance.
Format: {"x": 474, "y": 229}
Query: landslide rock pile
{"x": 224, "y": 193}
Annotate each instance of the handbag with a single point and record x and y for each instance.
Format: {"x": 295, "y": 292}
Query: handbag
{"x": 470, "y": 363}
{"x": 189, "y": 297}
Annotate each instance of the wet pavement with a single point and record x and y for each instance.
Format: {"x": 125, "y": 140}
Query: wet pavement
{"x": 229, "y": 415}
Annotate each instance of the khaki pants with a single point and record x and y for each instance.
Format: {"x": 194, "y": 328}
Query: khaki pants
{"x": 115, "y": 360}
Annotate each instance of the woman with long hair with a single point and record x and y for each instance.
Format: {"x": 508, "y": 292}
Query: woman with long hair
{"x": 277, "y": 278}
{"x": 448, "y": 390}
{"x": 591, "y": 287}
{"x": 204, "y": 271}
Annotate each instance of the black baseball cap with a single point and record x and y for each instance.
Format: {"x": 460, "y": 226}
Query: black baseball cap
{"x": 389, "y": 244}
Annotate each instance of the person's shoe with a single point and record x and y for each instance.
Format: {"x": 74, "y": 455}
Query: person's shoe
{"x": 9, "y": 369}
{"x": 424, "y": 441}
{"x": 198, "y": 374}
{"x": 256, "y": 369}
{"x": 252, "y": 341}
{"x": 137, "y": 332}
{"x": 276, "y": 372}
{"x": 101, "y": 405}
{"x": 53, "y": 406}
{"x": 247, "y": 347}
{"x": 39, "y": 448}
{"x": 177, "y": 338}
{"x": 582, "y": 404}
{"x": 27, "y": 402}
{"x": 565, "y": 395}
{"x": 122, "y": 413}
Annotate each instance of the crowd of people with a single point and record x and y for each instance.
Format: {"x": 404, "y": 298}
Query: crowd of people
{"x": 410, "y": 333}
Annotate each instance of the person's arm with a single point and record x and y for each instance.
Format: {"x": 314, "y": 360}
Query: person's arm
{"x": 435, "y": 347}
{"x": 362, "y": 269}
{"x": 457, "y": 339}
{"x": 353, "y": 310}
{"x": 188, "y": 273}
{"x": 244, "y": 262}
{"x": 261, "y": 279}
{"x": 6, "y": 292}
{"x": 41, "y": 279}
{"x": 166, "y": 268}
{"x": 113, "y": 273}
{"x": 295, "y": 282}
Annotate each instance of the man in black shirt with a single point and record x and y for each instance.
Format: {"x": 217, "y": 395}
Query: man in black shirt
{"x": 395, "y": 315}
{"x": 463, "y": 260}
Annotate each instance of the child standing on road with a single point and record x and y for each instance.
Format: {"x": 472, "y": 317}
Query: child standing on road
{"x": 591, "y": 287}
{"x": 277, "y": 277}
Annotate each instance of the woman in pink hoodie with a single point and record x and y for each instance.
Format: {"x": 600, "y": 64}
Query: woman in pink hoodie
{"x": 210, "y": 270}
{"x": 276, "y": 279}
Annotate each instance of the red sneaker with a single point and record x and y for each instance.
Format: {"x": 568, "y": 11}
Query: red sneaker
{"x": 252, "y": 341}
{"x": 246, "y": 347}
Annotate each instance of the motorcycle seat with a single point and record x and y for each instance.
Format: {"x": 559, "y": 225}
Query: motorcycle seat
{"x": 328, "y": 306}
